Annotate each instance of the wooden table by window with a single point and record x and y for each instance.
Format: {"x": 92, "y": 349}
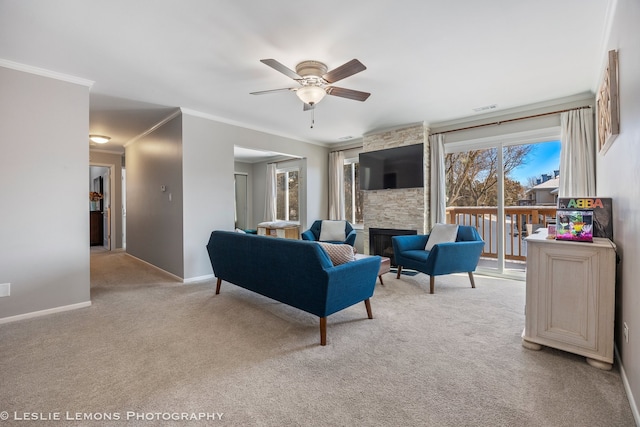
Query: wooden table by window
{"x": 281, "y": 229}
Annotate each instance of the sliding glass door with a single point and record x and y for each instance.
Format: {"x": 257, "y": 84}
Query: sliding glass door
{"x": 496, "y": 187}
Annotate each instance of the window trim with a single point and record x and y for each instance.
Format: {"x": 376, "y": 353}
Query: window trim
{"x": 286, "y": 171}
{"x": 351, "y": 161}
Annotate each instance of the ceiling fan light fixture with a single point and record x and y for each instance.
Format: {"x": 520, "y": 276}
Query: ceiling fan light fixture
{"x": 311, "y": 94}
{"x": 99, "y": 139}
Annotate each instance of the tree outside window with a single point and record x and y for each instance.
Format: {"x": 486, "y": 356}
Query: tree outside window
{"x": 472, "y": 180}
{"x": 287, "y": 196}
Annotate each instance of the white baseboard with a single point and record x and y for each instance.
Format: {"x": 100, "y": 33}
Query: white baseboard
{"x": 173, "y": 276}
{"x": 44, "y": 312}
{"x": 189, "y": 280}
{"x": 627, "y": 388}
{"x": 199, "y": 278}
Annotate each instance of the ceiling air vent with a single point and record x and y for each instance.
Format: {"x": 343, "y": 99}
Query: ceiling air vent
{"x": 485, "y": 108}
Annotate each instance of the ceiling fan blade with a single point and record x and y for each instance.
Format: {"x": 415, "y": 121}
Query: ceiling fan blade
{"x": 307, "y": 107}
{"x": 348, "y": 93}
{"x": 350, "y": 68}
{"x": 282, "y": 68}
{"x": 263, "y": 92}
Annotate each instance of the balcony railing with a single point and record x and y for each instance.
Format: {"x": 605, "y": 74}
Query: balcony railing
{"x": 519, "y": 221}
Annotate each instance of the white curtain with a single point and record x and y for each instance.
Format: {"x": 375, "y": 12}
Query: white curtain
{"x": 271, "y": 193}
{"x": 438, "y": 195}
{"x": 336, "y": 185}
{"x": 577, "y": 155}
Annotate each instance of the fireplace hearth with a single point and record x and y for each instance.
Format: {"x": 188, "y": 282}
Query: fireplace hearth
{"x": 380, "y": 241}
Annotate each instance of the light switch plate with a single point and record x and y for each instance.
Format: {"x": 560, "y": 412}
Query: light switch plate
{"x": 5, "y": 289}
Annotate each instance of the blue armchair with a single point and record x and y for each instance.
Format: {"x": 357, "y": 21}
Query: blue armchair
{"x": 315, "y": 232}
{"x": 461, "y": 256}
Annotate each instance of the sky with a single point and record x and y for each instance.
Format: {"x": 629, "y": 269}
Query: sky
{"x": 544, "y": 158}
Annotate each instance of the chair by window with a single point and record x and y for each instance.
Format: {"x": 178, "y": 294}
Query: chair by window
{"x": 460, "y": 256}
{"x": 331, "y": 231}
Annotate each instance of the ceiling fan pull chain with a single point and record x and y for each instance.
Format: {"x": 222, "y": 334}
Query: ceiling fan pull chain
{"x": 313, "y": 120}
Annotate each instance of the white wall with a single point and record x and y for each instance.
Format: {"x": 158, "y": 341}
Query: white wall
{"x": 208, "y": 189}
{"x": 618, "y": 172}
{"x": 44, "y": 226}
{"x": 155, "y": 217}
{"x": 208, "y": 147}
{"x": 208, "y": 181}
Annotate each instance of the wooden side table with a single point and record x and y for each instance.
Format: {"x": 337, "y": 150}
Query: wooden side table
{"x": 385, "y": 265}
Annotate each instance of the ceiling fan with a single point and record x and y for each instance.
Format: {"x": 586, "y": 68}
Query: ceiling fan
{"x": 316, "y": 82}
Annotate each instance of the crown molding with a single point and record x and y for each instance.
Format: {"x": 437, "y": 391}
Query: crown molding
{"x": 154, "y": 127}
{"x": 573, "y": 101}
{"x": 211, "y": 117}
{"x": 45, "y": 73}
{"x": 394, "y": 128}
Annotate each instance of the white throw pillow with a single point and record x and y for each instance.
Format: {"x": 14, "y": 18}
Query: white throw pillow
{"x": 332, "y": 231}
{"x": 339, "y": 253}
{"x": 441, "y": 233}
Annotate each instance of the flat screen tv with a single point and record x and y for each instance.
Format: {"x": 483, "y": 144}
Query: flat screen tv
{"x": 400, "y": 167}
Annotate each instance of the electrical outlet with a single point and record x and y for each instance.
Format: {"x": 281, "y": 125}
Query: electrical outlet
{"x": 625, "y": 331}
{"x": 5, "y": 289}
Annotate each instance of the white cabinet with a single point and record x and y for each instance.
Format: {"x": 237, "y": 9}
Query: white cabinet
{"x": 570, "y": 299}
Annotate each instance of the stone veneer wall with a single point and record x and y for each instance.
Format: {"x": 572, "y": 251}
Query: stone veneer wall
{"x": 406, "y": 208}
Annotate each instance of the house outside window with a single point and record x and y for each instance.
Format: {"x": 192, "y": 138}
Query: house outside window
{"x": 288, "y": 194}
{"x": 352, "y": 194}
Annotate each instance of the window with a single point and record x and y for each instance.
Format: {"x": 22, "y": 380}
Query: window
{"x": 489, "y": 185}
{"x": 288, "y": 194}
{"x": 352, "y": 193}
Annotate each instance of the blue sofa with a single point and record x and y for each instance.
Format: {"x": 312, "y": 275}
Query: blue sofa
{"x": 461, "y": 256}
{"x": 295, "y": 272}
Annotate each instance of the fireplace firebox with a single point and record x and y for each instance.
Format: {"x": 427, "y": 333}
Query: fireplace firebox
{"x": 380, "y": 241}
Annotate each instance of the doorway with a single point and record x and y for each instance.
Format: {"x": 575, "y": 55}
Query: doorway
{"x": 102, "y": 221}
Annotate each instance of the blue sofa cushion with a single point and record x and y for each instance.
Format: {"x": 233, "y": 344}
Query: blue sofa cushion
{"x": 419, "y": 255}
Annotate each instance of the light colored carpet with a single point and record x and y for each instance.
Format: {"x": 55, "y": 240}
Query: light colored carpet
{"x": 151, "y": 345}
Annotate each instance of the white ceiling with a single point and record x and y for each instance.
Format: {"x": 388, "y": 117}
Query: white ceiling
{"x": 427, "y": 61}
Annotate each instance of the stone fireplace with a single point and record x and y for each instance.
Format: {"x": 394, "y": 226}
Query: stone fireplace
{"x": 398, "y": 209}
{"x": 380, "y": 241}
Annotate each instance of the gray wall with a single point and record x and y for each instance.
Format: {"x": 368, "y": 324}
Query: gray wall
{"x": 618, "y": 172}
{"x": 193, "y": 157}
{"x": 154, "y": 217}
{"x": 44, "y": 227}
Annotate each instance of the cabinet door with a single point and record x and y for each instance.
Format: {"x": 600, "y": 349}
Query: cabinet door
{"x": 575, "y": 299}
{"x": 568, "y": 297}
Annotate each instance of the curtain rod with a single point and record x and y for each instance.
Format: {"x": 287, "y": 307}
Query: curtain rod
{"x": 513, "y": 120}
